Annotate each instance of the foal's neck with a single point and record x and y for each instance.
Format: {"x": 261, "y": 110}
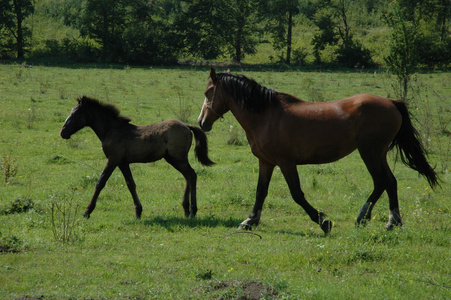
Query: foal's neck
{"x": 103, "y": 124}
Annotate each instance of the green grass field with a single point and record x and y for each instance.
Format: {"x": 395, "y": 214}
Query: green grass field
{"x": 48, "y": 251}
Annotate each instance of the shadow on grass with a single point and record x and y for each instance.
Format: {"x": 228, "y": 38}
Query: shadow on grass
{"x": 173, "y": 223}
{"x": 305, "y": 234}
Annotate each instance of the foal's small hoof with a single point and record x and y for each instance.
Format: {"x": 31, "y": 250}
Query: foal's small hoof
{"x": 86, "y": 215}
{"x": 326, "y": 226}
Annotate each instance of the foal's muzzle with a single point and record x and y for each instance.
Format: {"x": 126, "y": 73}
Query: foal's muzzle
{"x": 64, "y": 134}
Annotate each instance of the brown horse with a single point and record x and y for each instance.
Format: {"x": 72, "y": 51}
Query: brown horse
{"x": 285, "y": 131}
{"x": 124, "y": 143}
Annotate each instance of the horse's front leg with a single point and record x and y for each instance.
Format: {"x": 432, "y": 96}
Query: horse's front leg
{"x": 291, "y": 175}
{"x": 109, "y": 168}
{"x": 125, "y": 168}
{"x": 264, "y": 177}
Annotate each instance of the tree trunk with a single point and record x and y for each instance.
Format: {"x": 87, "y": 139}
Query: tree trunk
{"x": 19, "y": 37}
{"x": 289, "y": 36}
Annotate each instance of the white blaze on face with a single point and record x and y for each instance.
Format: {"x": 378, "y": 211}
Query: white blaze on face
{"x": 200, "y": 120}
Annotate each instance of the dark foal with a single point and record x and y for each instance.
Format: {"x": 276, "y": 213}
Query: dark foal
{"x": 124, "y": 143}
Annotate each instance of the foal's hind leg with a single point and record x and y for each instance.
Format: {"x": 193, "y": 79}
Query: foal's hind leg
{"x": 125, "y": 168}
{"x": 190, "y": 175}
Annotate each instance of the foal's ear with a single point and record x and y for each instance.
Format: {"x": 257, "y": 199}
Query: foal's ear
{"x": 81, "y": 100}
{"x": 213, "y": 75}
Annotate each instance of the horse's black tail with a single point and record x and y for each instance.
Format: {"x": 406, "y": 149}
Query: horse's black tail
{"x": 409, "y": 146}
{"x": 201, "y": 148}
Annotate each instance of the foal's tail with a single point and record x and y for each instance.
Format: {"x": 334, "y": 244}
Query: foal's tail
{"x": 201, "y": 148}
{"x": 409, "y": 146}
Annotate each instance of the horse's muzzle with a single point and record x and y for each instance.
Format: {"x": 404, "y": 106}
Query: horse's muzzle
{"x": 205, "y": 127}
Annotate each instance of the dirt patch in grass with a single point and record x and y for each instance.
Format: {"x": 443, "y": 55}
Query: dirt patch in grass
{"x": 238, "y": 290}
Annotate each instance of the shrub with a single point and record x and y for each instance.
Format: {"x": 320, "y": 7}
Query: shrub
{"x": 20, "y": 205}
{"x": 10, "y": 244}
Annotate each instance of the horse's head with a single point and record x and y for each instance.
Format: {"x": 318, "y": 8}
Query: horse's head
{"x": 75, "y": 121}
{"x": 215, "y": 106}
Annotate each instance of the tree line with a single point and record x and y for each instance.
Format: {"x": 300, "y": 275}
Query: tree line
{"x": 416, "y": 32}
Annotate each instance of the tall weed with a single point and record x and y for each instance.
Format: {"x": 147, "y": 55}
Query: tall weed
{"x": 63, "y": 217}
{"x": 9, "y": 166}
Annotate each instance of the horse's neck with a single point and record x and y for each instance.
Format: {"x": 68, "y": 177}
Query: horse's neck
{"x": 250, "y": 121}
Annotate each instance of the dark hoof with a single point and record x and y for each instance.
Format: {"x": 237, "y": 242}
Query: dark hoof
{"x": 138, "y": 212}
{"x": 245, "y": 227}
{"x": 248, "y": 223}
{"x": 361, "y": 223}
{"x": 326, "y": 226}
{"x": 87, "y": 215}
{"x": 390, "y": 225}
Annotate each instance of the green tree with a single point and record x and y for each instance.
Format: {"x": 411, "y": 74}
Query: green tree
{"x": 281, "y": 14}
{"x": 326, "y": 36}
{"x": 403, "y": 58}
{"x": 12, "y": 16}
{"x": 149, "y": 36}
{"x": 104, "y": 21}
{"x": 210, "y": 28}
{"x": 335, "y": 29}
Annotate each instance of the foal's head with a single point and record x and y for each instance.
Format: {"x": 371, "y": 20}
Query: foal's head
{"x": 76, "y": 120}
{"x": 84, "y": 113}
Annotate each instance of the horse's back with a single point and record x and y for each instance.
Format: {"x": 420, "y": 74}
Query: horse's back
{"x": 327, "y": 131}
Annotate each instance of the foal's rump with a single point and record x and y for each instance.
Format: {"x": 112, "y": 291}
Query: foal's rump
{"x": 171, "y": 139}
{"x": 167, "y": 138}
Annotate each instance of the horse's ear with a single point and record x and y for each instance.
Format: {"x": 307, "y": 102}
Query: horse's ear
{"x": 213, "y": 75}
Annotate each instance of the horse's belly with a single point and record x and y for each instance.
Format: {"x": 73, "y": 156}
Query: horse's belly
{"x": 326, "y": 154}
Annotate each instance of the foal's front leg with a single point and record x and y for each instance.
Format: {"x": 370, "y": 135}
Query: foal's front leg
{"x": 264, "y": 177}
{"x": 125, "y": 168}
{"x": 109, "y": 168}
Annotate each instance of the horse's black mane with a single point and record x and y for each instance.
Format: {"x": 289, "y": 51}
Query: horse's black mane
{"x": 107, "y": 108}
{"x": 247, "y": 92}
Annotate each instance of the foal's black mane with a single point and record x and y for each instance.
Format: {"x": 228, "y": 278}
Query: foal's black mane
{"x": 247, "y": 92}
{"x": 107, "y": 108}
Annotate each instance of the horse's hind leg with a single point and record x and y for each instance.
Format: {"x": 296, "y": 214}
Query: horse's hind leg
{"x": 190, "y": 207}
{"x": 383, "y": 179}
{"x": 394, "y": 218}
{"x": 125, "y": 168}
